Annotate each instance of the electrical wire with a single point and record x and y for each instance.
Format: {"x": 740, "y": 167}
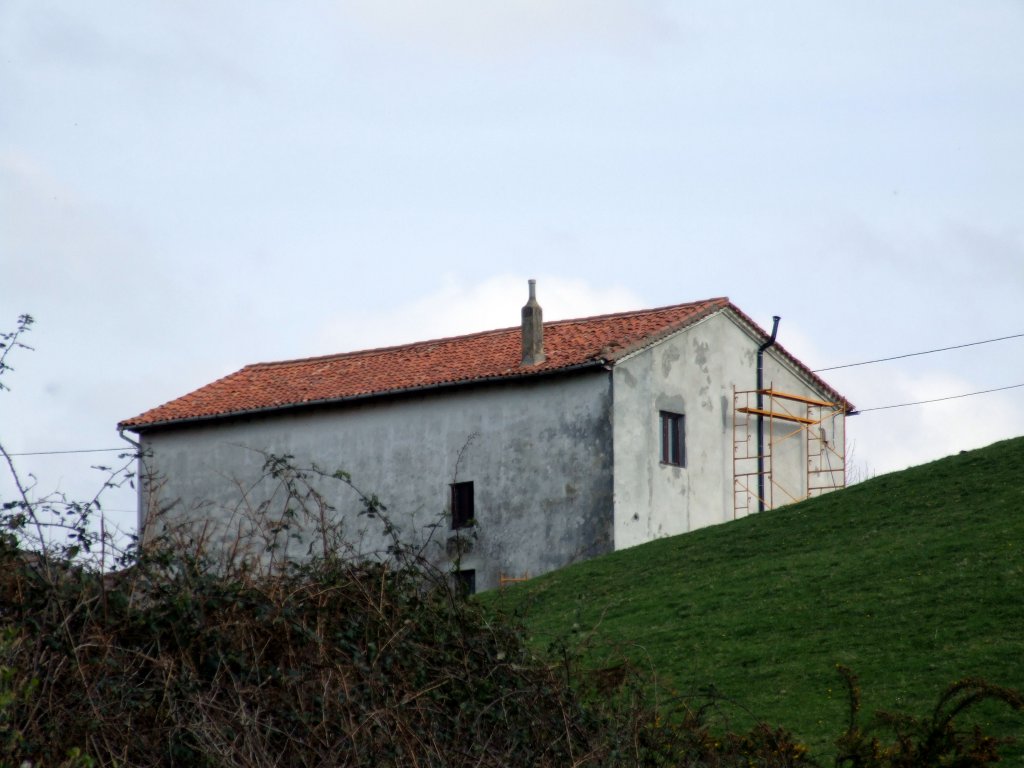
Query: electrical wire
{"x": 939, "y": 399}
{"x": 81, "y": 450}
{"x": 915, "y": 354}
{"x": 816, "y": 370}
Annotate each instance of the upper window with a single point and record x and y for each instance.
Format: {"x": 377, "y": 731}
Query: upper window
{"x": 673, "y": 443}
{"x": 462, "y": 504}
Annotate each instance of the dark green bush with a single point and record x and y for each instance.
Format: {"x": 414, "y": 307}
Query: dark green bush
{"x": 935, "y": 740}
{"x": 332, "y": 663}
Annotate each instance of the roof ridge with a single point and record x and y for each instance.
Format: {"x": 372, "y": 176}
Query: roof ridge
{"x": 474, "y": 334}
{"x": 645, "y": 311}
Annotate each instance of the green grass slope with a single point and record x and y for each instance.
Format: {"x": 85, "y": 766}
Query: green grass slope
{"x": 913, "y": 579}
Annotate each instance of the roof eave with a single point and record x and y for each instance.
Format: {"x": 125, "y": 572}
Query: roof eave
{"x": 271, "y": 409}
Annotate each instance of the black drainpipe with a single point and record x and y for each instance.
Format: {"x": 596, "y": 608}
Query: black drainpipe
{"x": 760, "y": 407}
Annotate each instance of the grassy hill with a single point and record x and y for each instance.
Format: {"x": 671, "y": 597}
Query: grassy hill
{"x": 913, "y": 579}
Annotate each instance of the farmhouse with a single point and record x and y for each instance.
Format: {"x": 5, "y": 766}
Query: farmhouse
{"x": 530, "y": 447}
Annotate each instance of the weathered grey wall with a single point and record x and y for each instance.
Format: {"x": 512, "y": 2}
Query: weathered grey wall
{"x": 539, "y": 454}
{"x": 693, "y": 372}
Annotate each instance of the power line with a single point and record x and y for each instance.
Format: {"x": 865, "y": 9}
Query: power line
{"x": 939, "y": 399}
{"x": 915, "y": 354}
{"x": 126, "y": 449}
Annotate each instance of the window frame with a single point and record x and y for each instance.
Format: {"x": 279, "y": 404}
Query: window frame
{"x": 672, "y": 438}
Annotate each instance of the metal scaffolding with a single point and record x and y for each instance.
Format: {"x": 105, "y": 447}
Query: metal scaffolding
{"x": 818, "y": 424}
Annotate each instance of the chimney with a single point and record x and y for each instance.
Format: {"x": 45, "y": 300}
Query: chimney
{"x": 533, "y": 329}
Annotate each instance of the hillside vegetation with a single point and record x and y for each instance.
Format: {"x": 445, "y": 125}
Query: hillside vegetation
{"x": 913, "y": 580}
{"x": 193, "y": 656}
{"x": 197, "y": 653}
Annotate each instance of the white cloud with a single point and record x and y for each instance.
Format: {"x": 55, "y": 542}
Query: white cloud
{"x": 57, "y": 240}
{"x": 485, "y": 29}
{"x": 894, "y": 439}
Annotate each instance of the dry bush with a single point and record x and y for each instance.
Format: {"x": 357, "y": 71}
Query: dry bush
{"x": 333, "y": 663}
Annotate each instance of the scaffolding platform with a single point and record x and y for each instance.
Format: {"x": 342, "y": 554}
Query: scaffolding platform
{"x": 820, "y": 427}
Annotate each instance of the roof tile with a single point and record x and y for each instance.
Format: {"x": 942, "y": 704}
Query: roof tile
{"x": 485, "y": 356}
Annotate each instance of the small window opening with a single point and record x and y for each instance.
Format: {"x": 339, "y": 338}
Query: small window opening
{"x": 465, "y": 582}
{"x": 673, "y": 445}
{"x": 462, "y": 505}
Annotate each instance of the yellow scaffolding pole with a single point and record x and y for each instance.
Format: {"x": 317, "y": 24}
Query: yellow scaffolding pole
{"x": 816, "y": 418}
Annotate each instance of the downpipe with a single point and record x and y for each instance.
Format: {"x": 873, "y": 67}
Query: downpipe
{"x": 760, "y": 406}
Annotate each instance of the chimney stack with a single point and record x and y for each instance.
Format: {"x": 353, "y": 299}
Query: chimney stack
{"x": 533, "y": 329}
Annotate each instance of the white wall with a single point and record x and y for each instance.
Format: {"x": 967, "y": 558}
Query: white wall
{"x": 693, "y": 372}
{"x": 539, "y": 454}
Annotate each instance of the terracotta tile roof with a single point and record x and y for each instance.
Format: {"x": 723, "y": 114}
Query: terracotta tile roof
{"x": 486, "y": 356}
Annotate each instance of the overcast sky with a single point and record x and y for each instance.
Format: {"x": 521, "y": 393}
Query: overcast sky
{"x": 190, "y": 186}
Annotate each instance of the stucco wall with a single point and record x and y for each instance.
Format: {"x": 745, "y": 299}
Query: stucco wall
{"x": 539, "y": 454}
{"x": 693, "y": 373}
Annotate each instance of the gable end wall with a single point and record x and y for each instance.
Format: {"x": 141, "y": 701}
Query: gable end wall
{"x": 693, "y": 372}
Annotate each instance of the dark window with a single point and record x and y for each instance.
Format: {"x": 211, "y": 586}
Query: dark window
{"x": 673, "y": 445}
{"x": 462, "y": 505}
{"x": 465, "y": 582}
